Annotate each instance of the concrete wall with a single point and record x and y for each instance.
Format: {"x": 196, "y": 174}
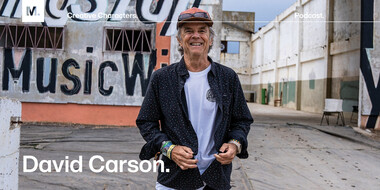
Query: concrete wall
{"x": 86, "y": 76}
{"x": 237, "y": 27}
{"x": 310, "y": 53}
{"x": 9, "y": 143}
{"x": 275, "y": 56}
{"x": 126, "y": 88}
{"x": 240, "y": 61}
{"x": 345, "y": 51}
{"x": 78, "y": 38}
{"x": 313, "y": 57}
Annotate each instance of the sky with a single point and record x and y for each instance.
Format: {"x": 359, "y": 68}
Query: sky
{"x": 265, "y": 10}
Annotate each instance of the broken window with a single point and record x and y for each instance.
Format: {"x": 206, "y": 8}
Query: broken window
{"x": 223, "y": 47}
{"x": 232, "y": 47}
{"x": 25, "y": 36}
{"x": 128, "y": 40}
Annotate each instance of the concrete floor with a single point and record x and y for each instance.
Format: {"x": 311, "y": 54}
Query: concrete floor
{"x": 285, "y": 157}
{"x": 301, "y": 155}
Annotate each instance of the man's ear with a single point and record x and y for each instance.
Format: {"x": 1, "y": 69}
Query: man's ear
{"x": 179, "y": 42}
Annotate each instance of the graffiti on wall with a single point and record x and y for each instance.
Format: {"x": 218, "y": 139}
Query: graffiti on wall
{"x": 367, "y": 33}
{"x": 111, "y": 78}
{"x": 147, "y": 11}
{"x": 62, "y": 81}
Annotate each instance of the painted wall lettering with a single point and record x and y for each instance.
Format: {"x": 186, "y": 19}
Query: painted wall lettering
{"x": 138, "y": 69}
{"x": 97, "y": 6}
{"x": 366, "y": 44}
{"x": 119, "y": 8}
{"x": 24, "y": 69}
{"x": 75, "y": 79}
{"x": 52, "y": 75}
{"x": 57, "y": 11}
{"x": 123, "y": 80}
{"x": 112, "y": 65}
{"x": 79, "y": 68}
{"x": 88, "y": 77}
{"x": 11, "y": 8}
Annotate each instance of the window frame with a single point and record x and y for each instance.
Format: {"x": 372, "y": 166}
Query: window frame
{"x": 123, "y": 34}
{"x": 44, "y": 33}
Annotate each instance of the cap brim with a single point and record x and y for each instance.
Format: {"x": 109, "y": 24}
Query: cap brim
{"x": 195, "y": 20}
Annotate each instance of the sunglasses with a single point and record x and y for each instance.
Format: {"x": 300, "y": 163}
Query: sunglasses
{"x": 193, "y": 15}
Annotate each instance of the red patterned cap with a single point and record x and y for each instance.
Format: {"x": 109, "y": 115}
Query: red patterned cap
{"x": 194, "y": 15}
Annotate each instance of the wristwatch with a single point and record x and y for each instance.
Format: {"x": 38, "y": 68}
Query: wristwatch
{"x": 233, "y": 141}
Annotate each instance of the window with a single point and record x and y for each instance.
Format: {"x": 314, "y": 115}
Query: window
{"x": 164, "y": 52}
{"x": 25, "y": 36}
{"x": 223, "y": 47}
{"x": 89, "y": 49}
{"x": 232, "y": 47}
{"x": 127, "y": 40}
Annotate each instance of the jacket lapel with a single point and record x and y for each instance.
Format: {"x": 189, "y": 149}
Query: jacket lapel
{"x": 183, "y": 75}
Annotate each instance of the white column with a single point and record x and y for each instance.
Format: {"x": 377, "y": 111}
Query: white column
{"x": 276, "y": 94}
{"x": 10, "y": 112}
{"x": 298, "y": 64}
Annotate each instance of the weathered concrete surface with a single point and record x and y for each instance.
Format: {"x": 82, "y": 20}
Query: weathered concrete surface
{"x": 238, "y": 27}
{"x": 243, "y": 20}
{"x": 304, "y": 155}
{"x": 296, "y": 156}
{"x": 284, "y": 157}
{"x": 9, "y": 143}
{"x": 265, "y": 114}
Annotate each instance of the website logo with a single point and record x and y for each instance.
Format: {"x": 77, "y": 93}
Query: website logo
{"x": 33, "y": 10}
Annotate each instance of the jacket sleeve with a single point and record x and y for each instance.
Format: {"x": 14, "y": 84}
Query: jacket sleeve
{"x": 241, "y": 118}
{"x": 148, "y": 121}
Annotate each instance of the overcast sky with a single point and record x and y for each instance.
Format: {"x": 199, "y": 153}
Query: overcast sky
{"x": 265, "y": 10}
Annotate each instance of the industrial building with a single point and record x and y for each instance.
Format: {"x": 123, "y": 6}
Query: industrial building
{"x": 91, "y": 62}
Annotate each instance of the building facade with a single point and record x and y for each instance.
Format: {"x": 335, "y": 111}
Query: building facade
{"x": 313, "y": 51}
{"x": 236, "y": 34}
{"x": 89, "y": 62}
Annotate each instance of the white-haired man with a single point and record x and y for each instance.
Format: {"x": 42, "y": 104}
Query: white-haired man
{"x": 195, "y": 113}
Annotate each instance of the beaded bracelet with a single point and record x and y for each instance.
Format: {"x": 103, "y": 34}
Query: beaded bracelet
{"x": 169, "y": 153}
{"x": 165, "y": 148}
{"x": 165, "y": 143}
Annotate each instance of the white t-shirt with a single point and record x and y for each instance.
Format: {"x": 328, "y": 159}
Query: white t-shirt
{"x": 202, "y": 109}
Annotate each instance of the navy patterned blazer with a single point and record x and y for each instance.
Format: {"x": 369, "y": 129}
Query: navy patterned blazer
{"x": 164, "y": 116}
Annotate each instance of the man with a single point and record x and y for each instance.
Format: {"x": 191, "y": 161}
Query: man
{"x": 194, "y": 113}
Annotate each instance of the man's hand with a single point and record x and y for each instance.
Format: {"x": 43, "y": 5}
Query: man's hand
{"x": 183, "y": 157}
{"x": 228, "y": 153}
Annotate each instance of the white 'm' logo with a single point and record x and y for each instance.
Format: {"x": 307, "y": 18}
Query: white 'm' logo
{"x": 33, "y": 10}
